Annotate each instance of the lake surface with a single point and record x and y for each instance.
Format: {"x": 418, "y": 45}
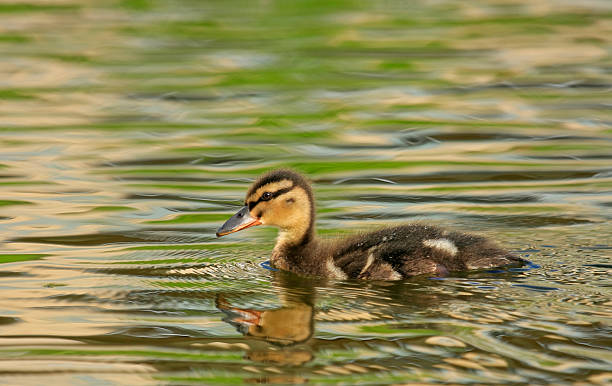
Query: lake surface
{"x": 130, "y": 130}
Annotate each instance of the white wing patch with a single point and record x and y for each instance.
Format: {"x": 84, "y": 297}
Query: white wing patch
{"x": 442, "y": 244}
{"x": 334, "y": 271}
{"x": 395, "y": 275}
{"x": 368, "y": 263}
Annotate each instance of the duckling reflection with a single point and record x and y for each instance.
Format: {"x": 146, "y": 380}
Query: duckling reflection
{"x": 285, "y": 336}
{"x": 290, "y": 324}
{"x": 287, "y": 329}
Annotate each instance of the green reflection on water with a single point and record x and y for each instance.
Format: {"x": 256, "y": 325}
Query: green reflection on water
{"x": 213, "y": 356}
{"x": 12, "y": 258}
{"x": 388, "y": 329}
{"x": 209, "y": 246}
{"x": 14, "y": 202}
{"x": 192, "y": 218}
{"x": 33, "y": 7}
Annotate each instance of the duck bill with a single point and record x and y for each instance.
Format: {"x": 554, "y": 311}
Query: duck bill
{"x": 241, "y": 220}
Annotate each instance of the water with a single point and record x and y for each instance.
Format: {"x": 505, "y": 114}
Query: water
{"x": 129, "y": 131}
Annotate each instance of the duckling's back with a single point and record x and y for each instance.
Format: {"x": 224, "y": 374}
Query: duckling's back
{"x": 409, "y": 250}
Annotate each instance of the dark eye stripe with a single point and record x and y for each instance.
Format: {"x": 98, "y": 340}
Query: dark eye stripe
{"x": 253, "y": 204}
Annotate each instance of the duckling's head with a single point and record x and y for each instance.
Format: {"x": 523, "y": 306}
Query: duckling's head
{"x": 281, "y": 198}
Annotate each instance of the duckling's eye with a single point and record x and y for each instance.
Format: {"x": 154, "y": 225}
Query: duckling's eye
{"x": 266, "y": 196}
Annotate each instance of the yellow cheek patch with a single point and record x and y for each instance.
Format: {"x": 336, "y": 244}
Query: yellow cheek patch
{"x": 294, "y": 215}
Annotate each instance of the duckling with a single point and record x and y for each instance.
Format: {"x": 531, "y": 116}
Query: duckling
{"x": 284, "y": 199}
